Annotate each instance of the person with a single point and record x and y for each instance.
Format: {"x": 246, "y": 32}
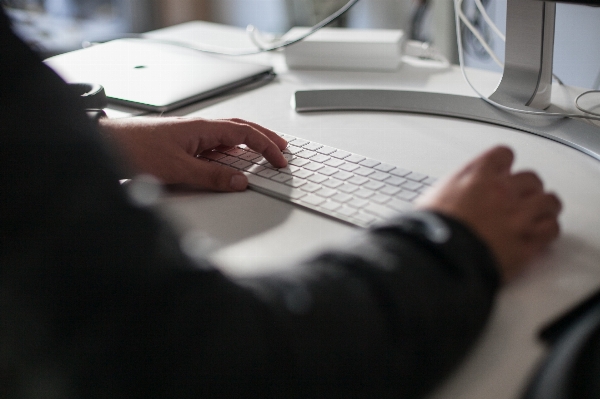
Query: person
{"x": 97, "y": 299}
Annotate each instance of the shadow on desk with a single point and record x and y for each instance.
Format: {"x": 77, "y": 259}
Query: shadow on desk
{"x": 221, "y": 219}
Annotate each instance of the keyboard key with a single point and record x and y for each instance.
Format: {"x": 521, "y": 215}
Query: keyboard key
{"x": 332, "y": 183}
{"x": 313, "y": 166}
{"x": 400, "y": 172}
{"x": 363, "y": 171}
{"x": 268, "y": 173}
{"x": 310, "y": 187}
{"x": 349, "y": 167}
{"x": 303, "y": 173}
{"x": 416, "y": 176}
{"x": 379, "y": 176}
{"x": 326, "y": 192}
{"x": 235, "y": 152}
{"x": 373, "y": 185}
{"x": 295, "y": 182}
{"x": 389, "y": 190}
{"x": 369, "y": 163}
{"x": 384, "y": 167}
{"x": 407, "y": 195}
{"x": 306, "y": 154}
{"x": 340, "y": 154}
{"x": 292, "y": 149}
{"x": 395, "y": 180}
{"x": 312, "y": 146}
{"x": 289, "y": 169}
{"x": 364, "y": 193}
{"x": 281, "y": 177}
{"x": 358, "y": 180}
{"x": 342, "y": 175}
{"x": 228, "y": 160}
{"x": 317, "y": 178}
{"x": 288, "y": 157}
{"x": 411, "y": 185}
{"x": 334, "y": 162}
{"x": 380, "y": 198}
{"x": 254, "y": 169}
{"x": 213, "y": 155}
{"x": 299, "y": 161}
{"x": 354, "y": 158}
{"x": 348, "y": 188}
{"x": 241, "y": 164}
{"x": 320, "y": 158}
{"x": 327, "y": 171}
{"x": 249, "y": 156}
{"x": 326, "y": 150}
{"x": 298, "y": 142}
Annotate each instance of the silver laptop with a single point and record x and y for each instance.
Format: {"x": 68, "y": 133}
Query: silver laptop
{"x": 154, "y": 76}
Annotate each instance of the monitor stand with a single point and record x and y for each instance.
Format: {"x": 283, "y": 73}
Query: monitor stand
{"x": 526, "y": 84}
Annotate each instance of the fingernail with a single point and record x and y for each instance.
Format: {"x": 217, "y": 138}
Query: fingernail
{"x": 238, "y": 182}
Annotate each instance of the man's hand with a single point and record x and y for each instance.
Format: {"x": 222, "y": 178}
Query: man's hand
{"x": 167, "y": 148}
{"x": 511, "y": 212}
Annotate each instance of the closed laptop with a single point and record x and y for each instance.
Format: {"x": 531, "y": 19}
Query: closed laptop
{"x": 154, "y": 76}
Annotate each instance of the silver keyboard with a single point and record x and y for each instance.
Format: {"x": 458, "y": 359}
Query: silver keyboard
{"x": 340, "y": 184}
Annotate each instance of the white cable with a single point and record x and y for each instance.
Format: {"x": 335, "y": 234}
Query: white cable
{"x": 261, "y": 48}
{"x": 492, "y": 102}
{"x": 476, "y": 33}
{"x": 584, "y": 109}
{"x": 489, "y": 21}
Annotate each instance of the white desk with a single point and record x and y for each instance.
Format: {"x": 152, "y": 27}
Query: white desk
{"x": 249, "y": 232}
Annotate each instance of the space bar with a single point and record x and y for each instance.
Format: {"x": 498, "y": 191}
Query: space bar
{"x": 273, "y": 188}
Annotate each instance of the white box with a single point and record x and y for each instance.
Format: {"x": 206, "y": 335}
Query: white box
{"x": 347, "y": 49}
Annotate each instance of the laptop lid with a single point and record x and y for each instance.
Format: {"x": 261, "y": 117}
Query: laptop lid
{"x": 154, "y": 76}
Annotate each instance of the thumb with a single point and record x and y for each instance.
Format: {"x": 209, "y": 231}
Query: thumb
{"x": 217, "y": 177}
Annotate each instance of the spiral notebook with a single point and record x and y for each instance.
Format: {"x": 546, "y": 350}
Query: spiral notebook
{"x": 155, "y": 76}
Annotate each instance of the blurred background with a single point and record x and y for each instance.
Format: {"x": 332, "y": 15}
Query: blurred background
{"x": 56, "y": 26}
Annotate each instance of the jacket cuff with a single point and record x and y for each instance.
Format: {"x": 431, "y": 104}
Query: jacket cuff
{"x": 448, "y": 238}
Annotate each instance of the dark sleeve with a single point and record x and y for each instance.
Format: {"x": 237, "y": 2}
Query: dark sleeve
{"x": 97, "y": 300}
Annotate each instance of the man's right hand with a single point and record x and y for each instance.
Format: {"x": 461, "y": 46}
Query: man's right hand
{"x": 511, "y": 212}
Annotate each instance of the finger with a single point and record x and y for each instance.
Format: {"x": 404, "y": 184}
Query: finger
{"x": 215, "y": 177}
{"x": 538, "y": 209}
{"x": 273, "y": 136}
{"x": 232, "y": 133}
{"x": 527, "y": 183}
{"x": 494, "y": 161}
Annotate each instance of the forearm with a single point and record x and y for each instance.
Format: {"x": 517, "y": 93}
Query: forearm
{"x": 395, "y": 312}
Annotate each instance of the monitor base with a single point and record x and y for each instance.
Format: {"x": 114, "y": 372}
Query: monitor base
{"x": 576, "y": 134}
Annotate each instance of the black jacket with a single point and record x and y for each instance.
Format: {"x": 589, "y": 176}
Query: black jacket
{"x": 97, "y": 300}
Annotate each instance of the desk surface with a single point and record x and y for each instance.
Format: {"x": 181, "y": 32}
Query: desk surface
{"x": 251, "y": 233}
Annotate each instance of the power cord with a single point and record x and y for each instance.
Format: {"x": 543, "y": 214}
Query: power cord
{"x": 255, "y": 36}
{"x": 457, "y": 13}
